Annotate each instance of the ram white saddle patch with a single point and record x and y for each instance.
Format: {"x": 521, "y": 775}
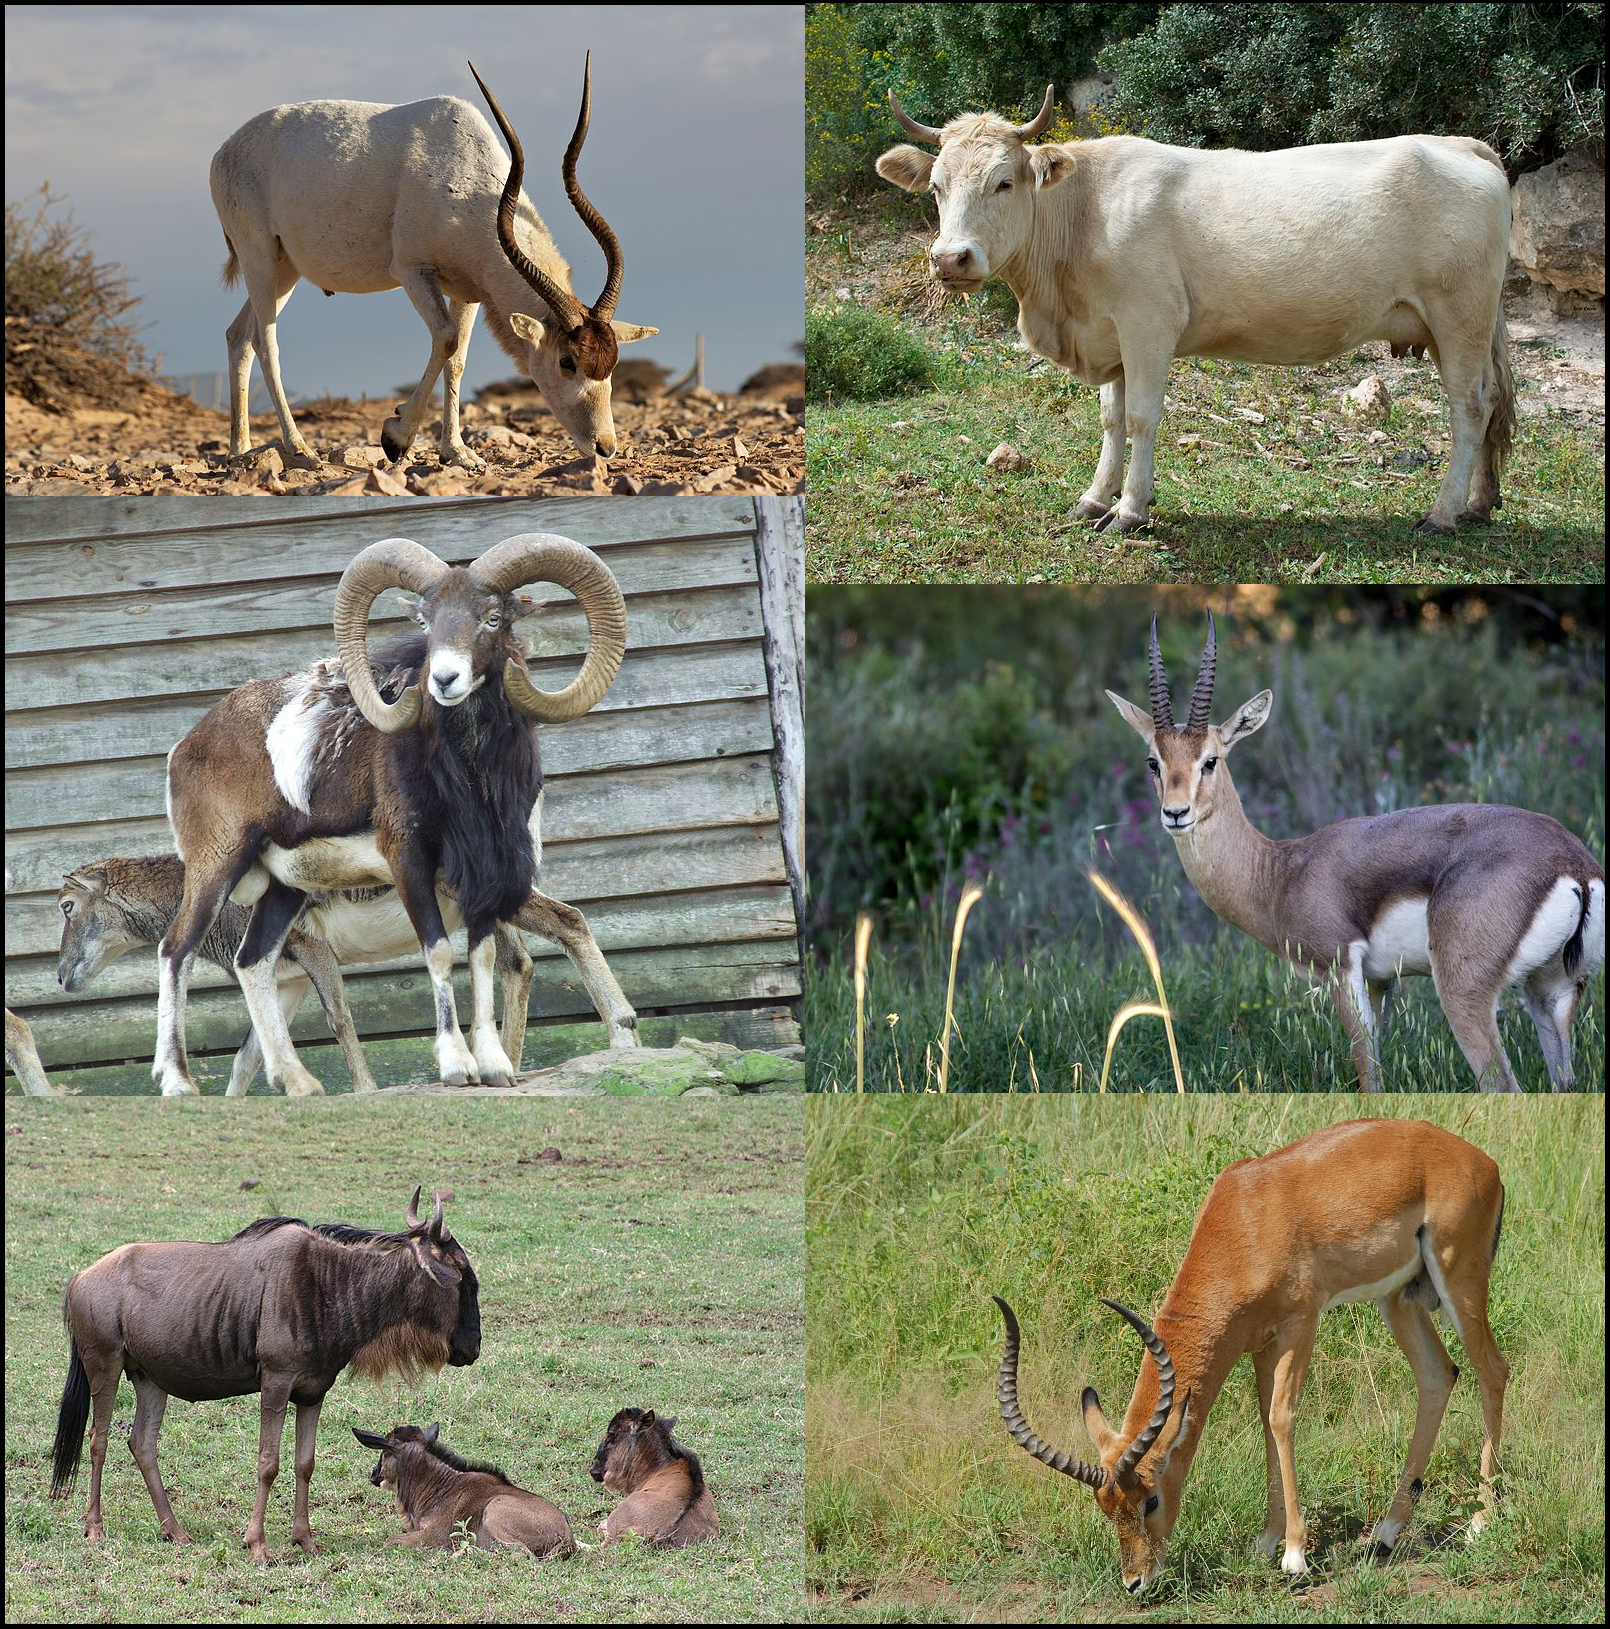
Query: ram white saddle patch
{"x": 308, "y": 732}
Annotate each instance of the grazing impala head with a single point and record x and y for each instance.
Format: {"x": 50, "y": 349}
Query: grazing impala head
{"x": 984, "y": 180}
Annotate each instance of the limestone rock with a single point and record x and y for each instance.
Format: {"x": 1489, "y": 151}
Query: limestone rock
{"x": 1557, "y": 229}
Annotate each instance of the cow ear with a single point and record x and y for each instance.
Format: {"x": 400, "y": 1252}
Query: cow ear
{"x": 907, "y": 167}
{"x": 1050, "y": 166}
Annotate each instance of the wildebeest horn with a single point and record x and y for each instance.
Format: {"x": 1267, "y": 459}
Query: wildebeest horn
{"x": 435, "y": 1228}
{"x": 604, "y": 306}
{"x": 1040, "y": 119}
{"x": 544, "y": 557}
{"x": 1134, "y": 1453}
{"x": 393, "y": 563}
{"x": 566, "y": 309}
{"x": 1093, "y": 1476}
{"x": 1157, "y": 683}
{"x": 411, "y": 1215}
{"x": 1202, "y": 695}
{"x": 923, "y": 132}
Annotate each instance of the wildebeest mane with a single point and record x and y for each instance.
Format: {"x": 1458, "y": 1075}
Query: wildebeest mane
{"x": 460, "y": 1463}
{"x": 691, "y": 1460}
{"x": 341, "y": 1232}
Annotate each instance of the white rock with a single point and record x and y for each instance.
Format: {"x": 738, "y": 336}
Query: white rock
{"x": 1368, "y": 399}
{"x": 1006, "y": 457}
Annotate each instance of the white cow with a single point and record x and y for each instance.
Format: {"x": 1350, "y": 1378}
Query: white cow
{"x": 1124, "y": 254}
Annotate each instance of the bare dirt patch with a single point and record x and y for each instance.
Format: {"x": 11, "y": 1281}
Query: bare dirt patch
{"x": 151, "y": 441}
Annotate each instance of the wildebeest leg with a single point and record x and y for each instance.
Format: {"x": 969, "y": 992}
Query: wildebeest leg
{"x": 453, "y": 450}
{"x": 420, "y": 284}
{"x": 490, "y": 1058}
{"x": 318, "y": 961}
{"x": 103, "y": 1401}
{"x": 276, "y": 1398}
{"x": 307, "y": 1425}
{"x": 272, "y": 918}
{"x": 1471, "y": 397}
{"x": 151, "y": 1403}
{"x": 416, "y": 888}
{"x": 565, "y": 926}
{"x": 515, "y": 969}
{"x": 1145, "y": 374}
{"x": 1103, "y": 490}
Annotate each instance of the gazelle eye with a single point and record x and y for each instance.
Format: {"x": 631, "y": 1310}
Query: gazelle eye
{"x": 1151, "y": 764}
{"x": 1151, "y": 1506}
{"x": 1207, "y": 765}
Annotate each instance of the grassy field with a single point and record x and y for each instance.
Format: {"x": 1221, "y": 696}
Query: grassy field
{"x": 658, "y": 1263}
{"x": 1260, "y": 476}
{"x": 920, "y": 1509}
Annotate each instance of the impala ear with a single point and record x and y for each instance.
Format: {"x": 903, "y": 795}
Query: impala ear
{"x": 1095, "y": 1418}
{"x": 907, "y": 166}
{"x": 1247, "y": 719}
{"x": 528, "y": 328}
{"x": 1137, "y": 718}
{"x": 626, "y": 332}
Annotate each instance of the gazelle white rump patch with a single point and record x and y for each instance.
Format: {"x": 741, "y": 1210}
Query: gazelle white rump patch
{"x": 1551, "y": 926}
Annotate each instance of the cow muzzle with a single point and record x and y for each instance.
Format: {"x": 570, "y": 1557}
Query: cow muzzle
{"x": 960, "y": 267}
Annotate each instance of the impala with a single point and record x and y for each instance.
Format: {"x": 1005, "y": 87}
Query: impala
{"x": 1397, "y": 1212}
{"x": 1478, "y": 895}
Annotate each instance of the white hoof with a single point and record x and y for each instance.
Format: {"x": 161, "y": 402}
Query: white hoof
{"x": 1293, "y": 1563}
{"x": 455, "y": 1063}
{"x": 492, "y": 1061}
{"x": 173, "y": 1082}
{"x": 298, "y": 1081}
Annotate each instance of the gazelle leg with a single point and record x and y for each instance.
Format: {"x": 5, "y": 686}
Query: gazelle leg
{"x": 1383, "y": 992}
{"x": 307, "y": 1425}
{"x": 1271, "y": 1539}
{"x": 1294, "y": 1345}
{"x": 269, "y": 1432}
{"x": 1434, "y": 1375}
{"x": 1350, "y": 993}
{"x": 1551, "y": 1007}
{"x": 151, "y": 1403}
{"x": 1471, "y": 1004}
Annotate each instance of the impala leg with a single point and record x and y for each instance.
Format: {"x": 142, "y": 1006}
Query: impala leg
{"x": 1272, "y": 1538}
{"x": 1294, "y": 1341}
{"x": 1434, "y": 1375}
{"x": 490, "y": 1058}
{"x": 565, "y": 926}
{"x": 397, "y": 434}
{"x": 307, "y": 1425}
{"x": 1102, "y": 493}
{"x": 270, "y": 1431}
{"x": 151, "y": 1403}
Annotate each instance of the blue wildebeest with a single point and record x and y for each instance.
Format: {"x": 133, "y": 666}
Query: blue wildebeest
{"x": 282, "y": 1308}
{"x": 667, "y": 1502}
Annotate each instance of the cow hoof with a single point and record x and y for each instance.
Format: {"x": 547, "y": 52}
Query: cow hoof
{"x": 1091, "y": 509}
{"x": 1432, "y": 528}
{"x": 1118, "y": 521}
{"x": 1476, "y": 517}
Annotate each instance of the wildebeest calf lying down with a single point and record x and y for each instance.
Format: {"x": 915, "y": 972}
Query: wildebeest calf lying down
{"x": 436, "y": 1490}
{"x": 282, "y": 1308}
{"x": 667, "y": 1502}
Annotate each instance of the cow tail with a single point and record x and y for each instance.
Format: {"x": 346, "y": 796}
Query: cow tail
{"x": 70, "y": 1425}
{"x": 1501, "y": 426}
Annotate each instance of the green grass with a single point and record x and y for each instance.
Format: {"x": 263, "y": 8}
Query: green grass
{"x": 658, "y": 1264}
{"x": 920, "y": 1509}
{"x": 900, "y": 491}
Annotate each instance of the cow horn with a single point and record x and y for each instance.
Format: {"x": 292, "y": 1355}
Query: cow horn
{"x": 411, "y": 1215}
{"x": 393, "y": 563}
{"x": 544, "y": 557}
{"x": 1136, "y": 1451}
{"x": 1157, "y": 683}
{"x": 1202, "y": 695}
{"x": 1040, "y": 119}
{"x": 603, "y": 307}
{"x": 1093, "y": 1476}
{"x": 923, "y": 132}
{"x": 566, "y": 309}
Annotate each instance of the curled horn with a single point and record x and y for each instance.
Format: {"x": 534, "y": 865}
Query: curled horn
{"x": 544, "y": 557}
{"x": 1157, "y": 683}
{"x": 565, "y": 307}
{"x": 1202, "y": 695}
{"x": 1022, "y": 1433}
{"x": 604, "y": 306}
{"x": 411, "y": 1215}
{"x": 1040, "y": 119}
{"x": 393, "y": 563}
{"x": 923, "y": 132}
{"x": 1136, "y": 1451}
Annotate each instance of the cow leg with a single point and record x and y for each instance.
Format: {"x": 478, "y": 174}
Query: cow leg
{"x": 565, "y": 926}
{"x": 1145, "y": 375}
{"x": 453, "y": 450}
{"x": 1471, "y": 397}
{"x": 1103, "y": 490}
{"x": 307, "y": 1425}
{"x": 276, "y": 1398}
{"x": 272, "y": 919}
{"x": 490, "y": 1058}
{"x": 151, "y": 1402}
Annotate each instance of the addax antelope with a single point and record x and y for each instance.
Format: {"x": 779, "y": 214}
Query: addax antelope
{"x": 1480, "y": 896}
{"x": 1397, "y": 1212}
{"x": 359, "y": 196}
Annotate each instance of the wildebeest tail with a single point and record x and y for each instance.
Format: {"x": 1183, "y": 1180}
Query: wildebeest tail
{"x": 1501, "y": 426}
{"x": 70, "y": 1425}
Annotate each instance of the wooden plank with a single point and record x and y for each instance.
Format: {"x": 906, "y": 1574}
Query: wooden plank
{"x": 200, "y": 667}
{"x": 151, "y": 725}
{"x": 698, "y": 917}
{"x": 76, "y": 546}
{"x": 396, "y": 1003}
{"x": 223, "y": 609}
{"x": 595, "y": 868}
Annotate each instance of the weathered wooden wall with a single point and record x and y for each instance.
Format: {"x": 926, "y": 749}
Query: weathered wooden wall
{"x": 127, "y": 619}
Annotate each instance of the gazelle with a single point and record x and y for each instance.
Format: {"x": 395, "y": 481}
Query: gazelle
{"x": 1478, "y": 895}
{"x": 1398, "y": 1212}
{"x": 359, "y": 196}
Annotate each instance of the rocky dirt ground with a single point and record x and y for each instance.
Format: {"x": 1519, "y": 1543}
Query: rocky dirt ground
{"x": 152, "y": 441}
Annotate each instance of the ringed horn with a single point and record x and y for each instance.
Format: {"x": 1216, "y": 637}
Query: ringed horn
{"x": 1094, "y": 1476}
{"x": 588, "y": 328}
{"x": 1201, "y": 696}
{"x": 531, "y": 557}
{"x": 926, "y": 132}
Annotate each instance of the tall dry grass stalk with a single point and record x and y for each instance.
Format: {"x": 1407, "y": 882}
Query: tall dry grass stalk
{"x": 863, "y": 937}
{"x": 970, "y": 897}
{"x": 1132, "y": 920}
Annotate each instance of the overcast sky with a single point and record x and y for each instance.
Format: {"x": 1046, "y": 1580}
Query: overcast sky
{"x": 696, "y": 158}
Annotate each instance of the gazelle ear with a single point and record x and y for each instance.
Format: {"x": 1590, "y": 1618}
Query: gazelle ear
{"x": 1137, "y": 718}
{"x": 1095, "y": 1418}
{"x": 1246, "y": 719}
{"x": 528, "y": 328}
